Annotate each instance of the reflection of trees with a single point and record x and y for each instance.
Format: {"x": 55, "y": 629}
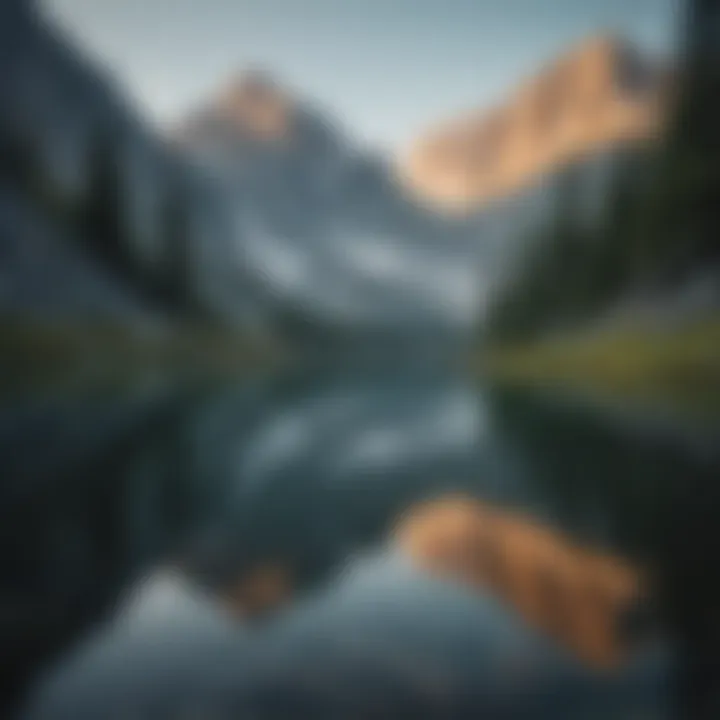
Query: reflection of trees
{"x": 595, "y": 479}
{"x": 74, "y": 524}
{"x": 194, "y": 481}
{"x": 651, "y": 497}
{"x": 170, "y": 484}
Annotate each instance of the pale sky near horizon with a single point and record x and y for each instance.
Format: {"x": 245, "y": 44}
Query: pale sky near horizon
{"x": 387, "y": 69}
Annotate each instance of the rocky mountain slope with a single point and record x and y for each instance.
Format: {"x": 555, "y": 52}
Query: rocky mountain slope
{"x": 323, "y": 230}
{"x": 257, "y": 210}
{"x": 55, "y": 109}
{"x": 260, "y": 210}
{"x": 601, "y": 95}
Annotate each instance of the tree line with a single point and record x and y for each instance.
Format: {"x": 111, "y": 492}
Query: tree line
{"x": 99, "y": 217}
{"x": 660, "y": 223}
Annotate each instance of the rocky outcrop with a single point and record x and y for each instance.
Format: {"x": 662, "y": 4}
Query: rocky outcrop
{"x": 601, "y": 95}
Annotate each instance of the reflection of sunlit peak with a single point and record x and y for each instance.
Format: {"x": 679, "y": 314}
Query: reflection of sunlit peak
{"x": 576, "y": 595}
{"x": 259, "y": 590}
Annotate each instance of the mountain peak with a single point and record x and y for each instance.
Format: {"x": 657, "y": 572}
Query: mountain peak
{"x": 255, "y": 101}
{"x": 606, "y": 44}
{"x": 610, "y": 58}
{"x": 251, "y": 103}
{"x": 250, "y": 85}
{"x": 254, "y": 110}
{"x": 601, "y": 92}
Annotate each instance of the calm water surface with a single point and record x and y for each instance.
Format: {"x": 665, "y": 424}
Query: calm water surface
{"x": 241, "y": 550}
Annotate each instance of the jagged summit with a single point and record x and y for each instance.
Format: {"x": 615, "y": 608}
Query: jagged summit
{"x": 601, "y": 93}
{"x": 255, "y": 124}
{"x": 254, "y": 79}
{"x": 252, "y": 103}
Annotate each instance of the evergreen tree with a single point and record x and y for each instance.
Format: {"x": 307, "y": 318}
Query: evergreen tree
{"x": 551, "y": 285}
{"x": 25, "y": 169}
{"x": 19, "y": 160}
{"x": 102, "y": 216}
{"x": 682, "y": 211}
{"x": 658, "y": 226}
{"x": 178, "y": 260}
{"x": 615, "y": 238}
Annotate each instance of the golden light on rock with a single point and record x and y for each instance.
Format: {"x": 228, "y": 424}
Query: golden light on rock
{"x": 257, "y": 104}
{"x": 603, "y": 94}
{"x": 574, "y": 594}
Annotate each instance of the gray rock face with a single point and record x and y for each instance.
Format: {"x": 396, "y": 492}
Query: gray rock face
{"x": 319, "y": 223}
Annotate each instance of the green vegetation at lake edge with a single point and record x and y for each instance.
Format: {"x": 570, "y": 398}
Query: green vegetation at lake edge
{"x": 655, "y": 234}
{"x": 678, "y": 368}
{"x": 41, "y": 354}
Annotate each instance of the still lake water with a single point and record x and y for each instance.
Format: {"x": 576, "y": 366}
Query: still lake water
{"x": 131, "y": 522}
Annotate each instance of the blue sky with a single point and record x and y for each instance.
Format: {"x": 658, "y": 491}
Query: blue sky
{"x": 388, "y": 69}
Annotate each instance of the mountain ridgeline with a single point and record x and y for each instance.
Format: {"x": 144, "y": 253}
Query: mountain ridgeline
{"x": 653, "y": 253}
{"x": 602, "y": 95}
{"x": 328, "y": 238}
{"x": 257, "y": 212}
{"x": 84, "y": 189}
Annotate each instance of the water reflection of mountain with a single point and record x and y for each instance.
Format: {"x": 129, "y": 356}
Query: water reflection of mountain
{"x": 311, "y": 472}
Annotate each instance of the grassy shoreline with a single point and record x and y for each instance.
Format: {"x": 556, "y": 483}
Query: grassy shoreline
{"x": 44, "y": 355}
{"x": 676, "y": 369}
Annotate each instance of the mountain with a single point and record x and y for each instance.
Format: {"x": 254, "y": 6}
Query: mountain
{"x": 55, "y": 104}
{"x": 600, "y": 96}
{"x": 324, "y": 234}
{"x": 259, "y": 209}
{"x": 100, "y": 218}
{"x": 255, "y": 118}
